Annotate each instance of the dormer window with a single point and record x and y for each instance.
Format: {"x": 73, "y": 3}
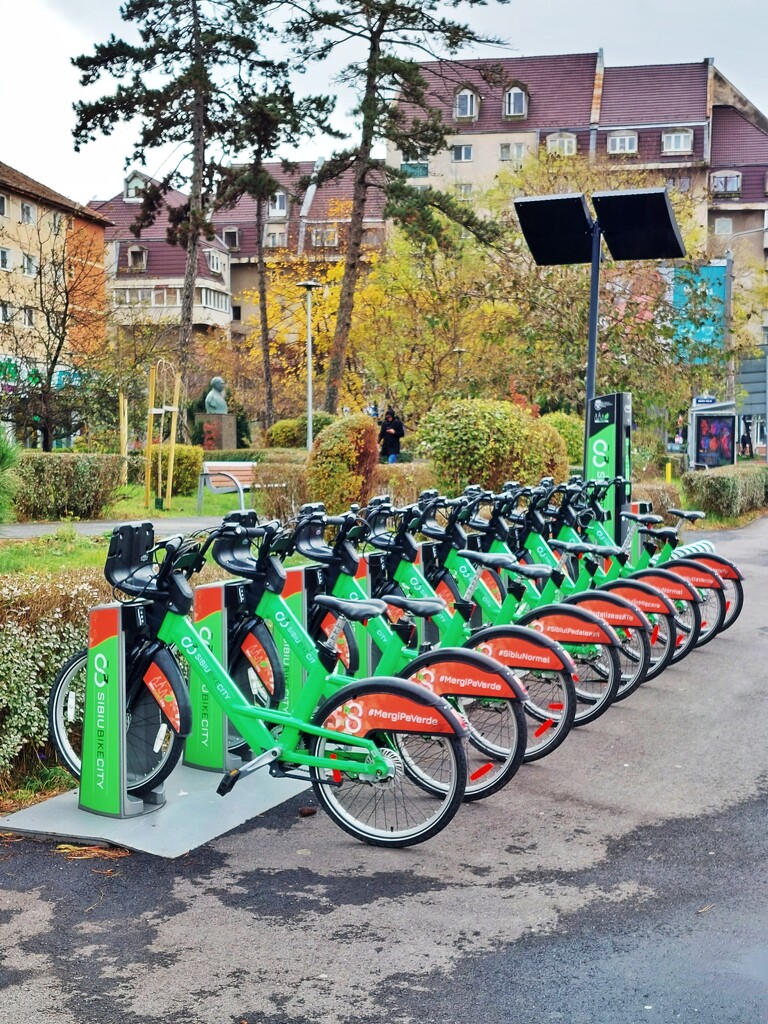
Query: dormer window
{"x": 562, "y": 143}
{"x": 278, "y": 205}
{"x": 231, "y": 238}
{"x": 214, "y": 261}
{"x": 137, "y": 258}
{"x": 622, "y": 143}
{"x": 466, "y": 104}
{"x": 677, "y": 140}
{"x": 515, "y": 102}
{"x": 725, "y": 183}
{"x": 135, "y": 187}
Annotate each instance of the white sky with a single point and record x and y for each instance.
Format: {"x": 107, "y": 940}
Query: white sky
{"x": 38, "y": 85}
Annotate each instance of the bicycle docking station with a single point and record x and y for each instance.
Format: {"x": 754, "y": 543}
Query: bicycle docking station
{"x": 104, "y": 774}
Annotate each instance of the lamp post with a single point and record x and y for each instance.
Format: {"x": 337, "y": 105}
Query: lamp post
{"x": 309, "y": 286}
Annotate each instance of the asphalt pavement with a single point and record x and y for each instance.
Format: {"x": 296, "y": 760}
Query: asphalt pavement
{"x": 623, "y": 879}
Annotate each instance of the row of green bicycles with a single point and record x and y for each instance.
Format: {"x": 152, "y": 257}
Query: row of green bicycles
{"x": 442, "y": 645}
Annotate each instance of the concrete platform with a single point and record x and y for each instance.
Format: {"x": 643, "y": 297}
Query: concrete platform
{"x": 192, "y": 815}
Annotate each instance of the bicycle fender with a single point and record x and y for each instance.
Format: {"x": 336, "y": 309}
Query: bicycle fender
{"x": 569, "y": 624}
{"x": 460, "y": 672}
{"x": 642, "y": 595}
{"x": 724, "y": 568}
{"x": 671, "y": 586}
{"x": 695, "y": 573}
{"x": 157, "y": 673}
{"x": 522, "y": 648}
{"x": 407, "y": 706}
{"x": 617, "y": 611}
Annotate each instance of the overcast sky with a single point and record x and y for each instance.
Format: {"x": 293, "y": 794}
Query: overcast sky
{"x": 38, "y": 85}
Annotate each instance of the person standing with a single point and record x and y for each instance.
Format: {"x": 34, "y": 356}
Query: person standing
{"x": 390, "y": 433}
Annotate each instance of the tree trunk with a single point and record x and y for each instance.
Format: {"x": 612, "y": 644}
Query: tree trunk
{"x": 195, "y": 214}
{"x": 261, "y": 284}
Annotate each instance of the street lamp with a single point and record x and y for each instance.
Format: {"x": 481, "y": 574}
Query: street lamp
{"x": 310, "y": 287}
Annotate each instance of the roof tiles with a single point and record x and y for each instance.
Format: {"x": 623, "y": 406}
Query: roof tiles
{"x": 655, "y": 94}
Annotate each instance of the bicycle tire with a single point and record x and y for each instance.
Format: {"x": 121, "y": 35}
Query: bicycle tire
{"x": 733, "y": 590}
{"x": 257, "y": 669}
{"x": 597, "y": 680}
{"x": 497, "y": 724}
{"x": 551, "y": 704}
{"x": 712, "y": 607}
{"x": 635, "y": 661}
{"x": 687, "y": 612}
{"x": 147, "y": 764}
{"x": 660, "y": 614}
{"x": 397, "y": 811}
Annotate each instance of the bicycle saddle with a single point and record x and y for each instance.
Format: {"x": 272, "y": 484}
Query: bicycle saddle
{"x": 355, "y": 611}
{"x": 507, "y": 562}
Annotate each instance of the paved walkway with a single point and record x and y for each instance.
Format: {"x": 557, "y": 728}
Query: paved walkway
{"x": 163, "y": 527}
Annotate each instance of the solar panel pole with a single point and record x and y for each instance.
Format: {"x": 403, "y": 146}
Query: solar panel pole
{"x": 594, "y": 306}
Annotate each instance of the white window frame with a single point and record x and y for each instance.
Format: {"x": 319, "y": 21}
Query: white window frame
{"x": 677, "y": 140}
{"x": 325, "y": 238}
{"x": 27, "y": 316}
{"x": 28, "y": 213}
{"x": 464, "y": 154}
{"x": 6, "y": 261}
{"x": 515, "y": 153}
{"x": 210, "y": 298}
{"x": 29, "y": 265}
{"x": 5, "y": 205}
{"x": 724, "y": 226}
{"x": 135, "y": 186}
{"x": 141, "y": 252}
{"x": 510, "y": 96}
{"x": 214, "y": 261}
{"x": 231, "y": 231}
{"x": 464, "y": 192}
{"x": 724, "y": 177}
{"x": 274, "y": 240}
{"x": 622, "y": 144}
{"x": 6, "y": 312}
{"x": 562, "y": 143}
{"x": 278, "y": 205}
{"x": 468, "y": 99}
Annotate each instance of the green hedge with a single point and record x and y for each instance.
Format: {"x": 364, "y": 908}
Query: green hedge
{"x": 283, "y": 489}
{"x": 571, "y": 429}
{"x": 54, "y": 485}
{"x": 728, "y": 491}
{"x": 43, "y": 620}
{"x": 404, "y": 482}
{"x": 293, "y": 433}
{"x": 187, "y": 466}
{"x": 343, "y": 461}
{"x": 661, "y": 495}
{"x": 234, "y": 455}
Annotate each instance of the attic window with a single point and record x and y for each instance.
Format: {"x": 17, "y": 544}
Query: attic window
{"x": 622, "y": 142}
{"x": 137, "y": 258}
{"x": 516, "y": 102}
{"x": 278, "y": 204}
{"x": 214, "y": 261}
{"x": 725, "y": 183}
{"x": 231, "y": 238}
{"x": 562, "y": 143}
{"x": 466, "y": 104}
{"x": 678, "y": 140}
{"x": 134, "y": 188}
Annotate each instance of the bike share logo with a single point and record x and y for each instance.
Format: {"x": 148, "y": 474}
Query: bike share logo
{"x": 602, "y": 411}
{"x": 101, "y": 683}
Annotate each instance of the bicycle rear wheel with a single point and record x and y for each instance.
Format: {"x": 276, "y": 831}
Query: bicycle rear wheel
{"x": 413, "y": 803}
{"x": 152, "y": 747}
{"x": 597, "y": 679}
{"x": 635, "y": 660}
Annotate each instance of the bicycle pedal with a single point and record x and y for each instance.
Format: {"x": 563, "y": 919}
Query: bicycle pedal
{"x": 227, "y": 784}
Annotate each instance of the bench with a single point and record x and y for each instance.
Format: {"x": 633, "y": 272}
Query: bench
{"x": 225, "y": 478}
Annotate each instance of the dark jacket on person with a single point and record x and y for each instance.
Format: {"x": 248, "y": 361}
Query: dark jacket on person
{"x": 390, "y": 443}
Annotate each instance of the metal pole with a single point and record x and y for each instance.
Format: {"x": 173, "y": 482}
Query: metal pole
{"x": 309, "y": 369}
{"x": 594, "y": 297}
{"x": 765, "y": 425}
{"x": 730, "y": 380}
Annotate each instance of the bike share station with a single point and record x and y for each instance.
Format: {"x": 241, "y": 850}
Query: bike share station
{"x": 635, "y": 224}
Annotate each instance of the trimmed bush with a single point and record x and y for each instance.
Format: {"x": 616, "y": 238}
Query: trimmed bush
{"x": 282, "y": 501}
{"x": 727, "y": 491}
{"x": 343, "y": 461}
{"x": 234, "y": 455}
{"x": 661, "y": 495}
{"x": 58, "y": 486}
{"x": 43, "y": 620}
{"x": 571, "y": 429}
{"x": 187, "y": 466}
{"x": 404, "y": 482}
{"x": 296, "y": 456}
{"x": 487, "y": 442}
{"x": 293, "y": 433}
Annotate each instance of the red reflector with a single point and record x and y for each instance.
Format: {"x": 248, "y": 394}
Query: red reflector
{"x": 481, "y": 771}
{"x": 727, "y": 605}
{"x": 544, "y": 727}
{"x": 628, "y": 633}
{"x": 655, "y": 634}
{"x": 336, "y": 775}
{"x": 575, "y": 678}
{"x": 679, "y": 640}
{"x": 555, "y": 707}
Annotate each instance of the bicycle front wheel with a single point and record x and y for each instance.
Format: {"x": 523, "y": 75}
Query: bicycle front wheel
{"x": 152, "y": 747}
{"x": 428, "y": 770}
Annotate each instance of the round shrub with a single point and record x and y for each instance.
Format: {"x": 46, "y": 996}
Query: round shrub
{"x": 285, "y": 434}
{"x": 342, "y": 464}
{"x": 571, "y": 429}
{"x": 187, "y": 466}
{"x": 481, "y": 441}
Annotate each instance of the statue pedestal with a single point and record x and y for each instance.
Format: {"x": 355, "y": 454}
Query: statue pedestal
{"x": 219, "y": 429}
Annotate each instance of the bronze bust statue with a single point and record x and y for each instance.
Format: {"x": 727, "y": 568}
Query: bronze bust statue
{"x": 214, "y": 400}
